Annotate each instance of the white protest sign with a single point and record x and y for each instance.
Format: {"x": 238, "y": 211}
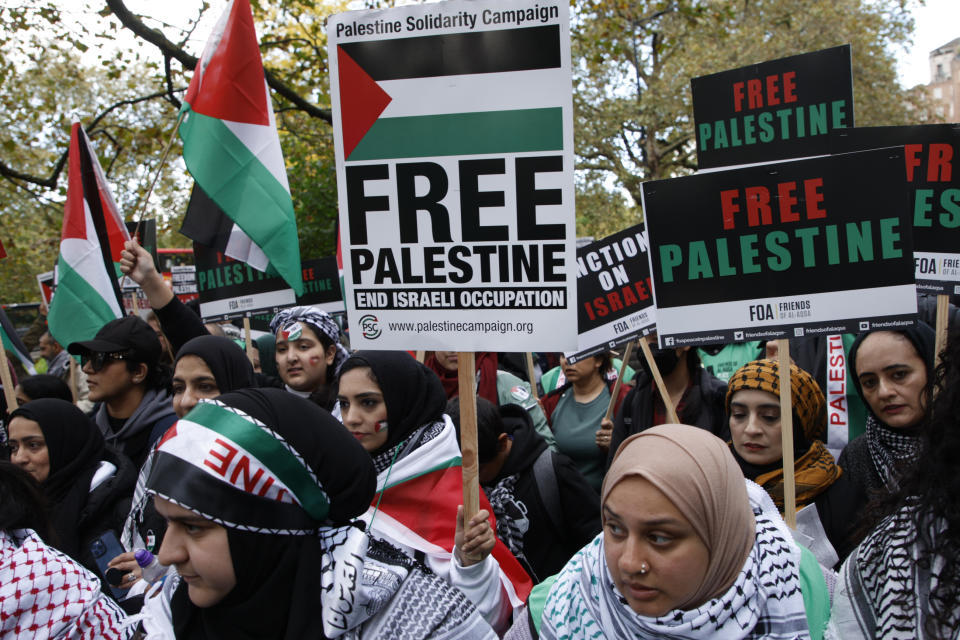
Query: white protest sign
{"x": 453, "y": 131}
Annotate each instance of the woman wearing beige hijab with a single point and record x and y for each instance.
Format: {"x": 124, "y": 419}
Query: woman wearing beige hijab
{"x": 689, "y": 549}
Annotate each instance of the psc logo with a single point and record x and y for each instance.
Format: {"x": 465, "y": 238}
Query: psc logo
{"x": 370, "y": 327}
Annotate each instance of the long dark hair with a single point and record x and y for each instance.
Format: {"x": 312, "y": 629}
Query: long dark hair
{"x": 932, "y": 487}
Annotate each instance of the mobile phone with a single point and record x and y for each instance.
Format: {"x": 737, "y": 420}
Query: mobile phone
{"x": 104, "y": 549}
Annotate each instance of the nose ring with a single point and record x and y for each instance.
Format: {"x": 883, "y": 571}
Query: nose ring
{"x": 644, "y": 568}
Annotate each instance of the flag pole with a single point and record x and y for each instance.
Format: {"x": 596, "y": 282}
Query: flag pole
{"x": 163, "y": 159}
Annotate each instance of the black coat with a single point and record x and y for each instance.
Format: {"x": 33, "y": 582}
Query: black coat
{"x": 106, "y": 509}
{"x": 545, "y": 547}
{"x": 704, "y": 407}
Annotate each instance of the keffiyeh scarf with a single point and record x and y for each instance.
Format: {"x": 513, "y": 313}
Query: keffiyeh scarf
{"x": 764, "y": 601}
{"x": 885, "y": 586}
{"x": 363, "y": 577}
{"x": 890, "y": 450}
{"x": 46, "y": 594}
{"x": 320, "y": 321}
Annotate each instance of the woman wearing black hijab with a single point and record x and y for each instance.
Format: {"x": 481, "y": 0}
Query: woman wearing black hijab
{"x": 893, "y": 373}
{"x": 207, "y": 366}
{"x": 264, "y": 544}
{"x": 394, "y": 406}
{"x": 87, "y": 484}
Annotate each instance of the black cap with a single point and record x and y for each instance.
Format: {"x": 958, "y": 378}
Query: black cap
{"x": 128, "y": 333}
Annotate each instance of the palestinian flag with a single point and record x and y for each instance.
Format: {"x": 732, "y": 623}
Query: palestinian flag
{"x": 87, "y": 292}
{"x": 463, "y": 81}
{"x": 232, "y": 149}
{"x": 13, "y": 344}
{"x": 416, "y": 505}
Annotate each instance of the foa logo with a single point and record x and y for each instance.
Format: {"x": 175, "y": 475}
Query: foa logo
{"x": 370, "y": 327}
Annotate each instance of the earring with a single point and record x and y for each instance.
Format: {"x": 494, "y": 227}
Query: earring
{"x": 644, "y": 568}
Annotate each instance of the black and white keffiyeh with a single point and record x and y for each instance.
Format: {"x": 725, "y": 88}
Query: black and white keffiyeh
{"x": 764, "y": 601}
{"x": 885, "y": 585}
{"x": 890, "y": 450}
{"x": 320, "y": 321}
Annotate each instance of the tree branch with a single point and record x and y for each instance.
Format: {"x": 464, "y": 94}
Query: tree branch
{"x": 154, "y": 37}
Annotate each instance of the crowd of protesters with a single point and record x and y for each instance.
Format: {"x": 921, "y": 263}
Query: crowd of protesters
{"x": 318, "y": 494}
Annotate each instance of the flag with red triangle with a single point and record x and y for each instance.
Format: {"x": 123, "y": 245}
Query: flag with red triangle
{"x": 87, "y": 293}
{"x": 232, "y": 149}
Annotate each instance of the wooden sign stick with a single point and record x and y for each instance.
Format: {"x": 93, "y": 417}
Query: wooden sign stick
{"x": 247, "y": 340}
{"x": 940, "y": 341}
{"x": 467, "y": 376}
{"x": 7, "y": 380}
{"x": 786, "y": 429}
{"x": 532, "y": 375}
{"x": 667, "y": 400}
{"x": 73, "y": 380}
{"x": 421, "y": 355}
{"x": 616, "y": 385}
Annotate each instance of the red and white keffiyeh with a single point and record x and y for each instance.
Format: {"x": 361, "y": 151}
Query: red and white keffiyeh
{"x": 46, "y": 594}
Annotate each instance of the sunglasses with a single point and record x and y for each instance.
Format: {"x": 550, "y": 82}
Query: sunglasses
{"x": 98, "y": 359}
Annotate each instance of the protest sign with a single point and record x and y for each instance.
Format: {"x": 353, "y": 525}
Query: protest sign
{"x": 183, "y": 281}
{"x": 231, "y": 289}
{"x": 47, "y": 284}
{"x": 774, "y": 110}
{"x": 321, "y": 290}
{"x": 454, "y": 145}
{"x": 809, "y": 247}
{"x": 932, "y": 159}
{"x": 613, "y": 291}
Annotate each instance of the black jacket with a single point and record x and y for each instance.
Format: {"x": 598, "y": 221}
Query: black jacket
{"x": 704, "y": 407}
{"x": 106, "y": 509}
{"x": 543, "y": 547}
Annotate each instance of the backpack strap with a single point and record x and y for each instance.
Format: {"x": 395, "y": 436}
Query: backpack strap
{"x": 549, "y": 488}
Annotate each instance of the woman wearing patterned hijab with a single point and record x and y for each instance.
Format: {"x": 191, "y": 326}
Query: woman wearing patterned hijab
{"x": 893, "y": 372}
{"x": 308, "y": 353}
{"x": 688, "y": 550}
{"x": 753, "y": 410}
{"x": 260, "y": 489}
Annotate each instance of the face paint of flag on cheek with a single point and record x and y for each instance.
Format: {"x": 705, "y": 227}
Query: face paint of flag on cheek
{"x": 380, "y": 426}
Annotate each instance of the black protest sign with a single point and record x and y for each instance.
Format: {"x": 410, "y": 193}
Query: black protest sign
{"x": 321, "y": 289}
{"x": 183, "y": 280}
{"x": 231, "y": 289}
{"x": 932, "y": 159}
{"x": 806, "y": 247}
{"x": 614, "y": 292}
{"x": 774, "y": 110}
